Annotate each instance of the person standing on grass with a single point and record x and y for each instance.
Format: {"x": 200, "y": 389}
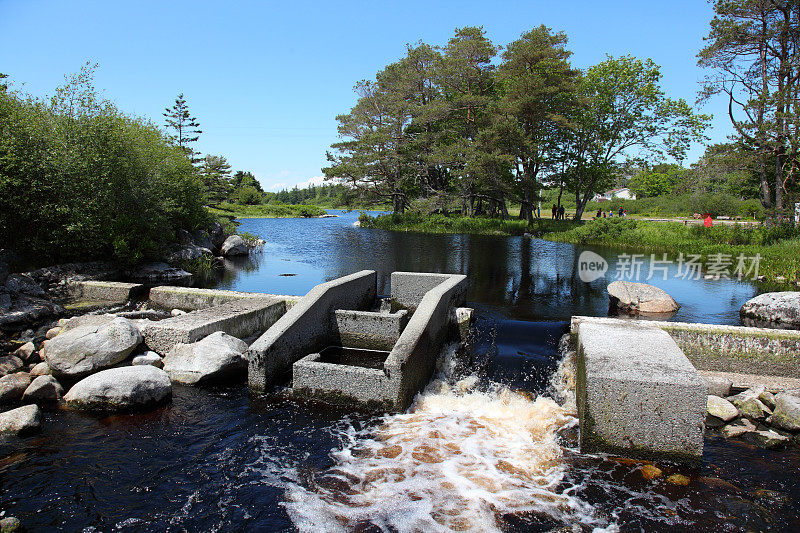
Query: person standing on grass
{"x": 621, "y": 211}
{"x": 555, "y": 211}
{"x": 561, "y": 212}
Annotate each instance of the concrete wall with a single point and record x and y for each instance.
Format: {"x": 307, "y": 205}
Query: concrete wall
{"x": 368, "y": 329}
{"x": 307, "y": 325}
{"x": 413, "y": 359}
{"x": 106, "y": 291}
{"x": 341, "y": 382}
{"x": 409, "y": 288}
{"x": 240, "y": 319}
{"x": 637, "y": 393}
{"x": 737, "y": 349}
{"x": 191, "y": 299}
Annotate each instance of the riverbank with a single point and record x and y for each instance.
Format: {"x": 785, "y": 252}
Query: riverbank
{"x": 777, "y": 247}
{"x": 267, "y": 211}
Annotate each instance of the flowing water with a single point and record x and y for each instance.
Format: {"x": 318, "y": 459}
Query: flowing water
{"x": 490, "y": 445}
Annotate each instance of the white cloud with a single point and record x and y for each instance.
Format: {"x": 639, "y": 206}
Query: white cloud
{"x": 278, "y": 186}
{"x": 316, "y": 180}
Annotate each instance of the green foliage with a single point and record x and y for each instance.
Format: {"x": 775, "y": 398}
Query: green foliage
{"x": 778, "y": 247}
{"x": 683, "y": 205}
{"x": 79, "y": 179}
{"x": 227, "y": 209}
{"x": 417, "y": 222}
{"x": 183, "y": 128}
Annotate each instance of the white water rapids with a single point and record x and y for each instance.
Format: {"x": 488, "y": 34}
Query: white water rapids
{"x": 459, "y": 459}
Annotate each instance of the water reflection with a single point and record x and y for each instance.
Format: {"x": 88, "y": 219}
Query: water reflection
{"x": 513, "y": 277}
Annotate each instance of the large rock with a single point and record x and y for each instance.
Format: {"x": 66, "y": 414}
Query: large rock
{"x": 13, "y": 385}
{"x": 43, "y": 389}
{"x": 722, "y": 408}
{"x": 787, "y": 412}
{"x": 41, "y": 369}
{"x": 217, "y": 235}
{"x": 160, "y": 274}
{"x": 216, "y": 357}
{"x": 189, "y": 252}
{"x": 234, "y": 245}
{"x": 781, "y": 309}
{"x": 640, "y": 298}
{"x": 21, "y": 420}
{"x": 120, "y": 389}
{"x": 203, "y": 239}
{"x": 89, "y": 348}
{"x": 10, "y": 364}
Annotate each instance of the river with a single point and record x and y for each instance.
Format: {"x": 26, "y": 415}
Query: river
{"x": 485, "y": 447}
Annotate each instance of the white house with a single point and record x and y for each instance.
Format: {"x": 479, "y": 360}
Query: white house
{"x": 624, "y": 192}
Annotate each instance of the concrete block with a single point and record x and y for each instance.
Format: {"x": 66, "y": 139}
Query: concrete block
{"x": 307, "y": 326}
{"x": 409, "y": 288}
{"x": 106, "y": 291}
{"x": 637, "y": 393}
{"x": 413, "y": 359}
{"x": 240, "y": 319}
{"x": 368, "y": 329}
{"x": 191, "y": 299}
{"x": 337, "y": 382}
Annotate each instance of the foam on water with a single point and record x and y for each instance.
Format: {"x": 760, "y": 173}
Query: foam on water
{"x": 461, "y": 457}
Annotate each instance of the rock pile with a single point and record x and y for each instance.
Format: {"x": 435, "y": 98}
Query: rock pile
{"x": 767, "y": 420}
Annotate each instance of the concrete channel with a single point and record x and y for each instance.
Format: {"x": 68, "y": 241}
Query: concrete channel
{"x": 639, "y": 389}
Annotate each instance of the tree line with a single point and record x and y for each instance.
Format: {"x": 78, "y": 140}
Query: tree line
{"x": 470, "y": 126}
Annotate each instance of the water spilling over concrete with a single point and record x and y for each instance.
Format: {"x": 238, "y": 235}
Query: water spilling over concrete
{"x": 460, "y": 458}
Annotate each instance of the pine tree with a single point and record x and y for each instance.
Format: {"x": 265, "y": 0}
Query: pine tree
{"x": 184, "y": 127}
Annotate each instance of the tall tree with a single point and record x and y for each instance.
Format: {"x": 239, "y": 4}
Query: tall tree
{"x": 183, "y": 128}
{"x": 465, "y": 74}
{"x": 537, "y": 86}
{"x": 753, "y": 53}
{"x": 624, "y": 114}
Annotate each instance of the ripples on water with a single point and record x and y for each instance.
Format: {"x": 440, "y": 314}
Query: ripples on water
{"x": 485, "y": 447}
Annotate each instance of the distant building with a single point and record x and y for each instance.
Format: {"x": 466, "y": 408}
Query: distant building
{"x": 624, "y": 192}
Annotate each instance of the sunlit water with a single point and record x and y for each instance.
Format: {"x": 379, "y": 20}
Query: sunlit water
{"x": 491, "y": 444}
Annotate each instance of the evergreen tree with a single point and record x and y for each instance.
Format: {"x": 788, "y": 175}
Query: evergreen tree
{"x": 183, "y": 129}
{"x": 215, "y": 174}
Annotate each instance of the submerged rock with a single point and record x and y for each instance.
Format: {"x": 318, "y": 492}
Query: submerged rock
{"x": 722, "y": 408}
{"x": 120, "y": 389}
{"x": 637, "y": 298}
{"x": 43, "y": 389}
{"x": 651, "y": 472}
{"x": 214, "y": 358}
{"x": 787, "y": 412}
{"x": 768, "y": 438}
{"x": 88, "y": 348}
{"x": 778, "y": 309}
{"x": 10, "y": 524}
{"x": 13, "y": 385}
{"x": 21, "y": 420}
{"x": 234, "y": 245}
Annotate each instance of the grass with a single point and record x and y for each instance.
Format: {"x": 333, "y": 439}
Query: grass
{"x": 418, "y": 223}
{"x": 226, "y": 209}
{"x": 777, "y": 246}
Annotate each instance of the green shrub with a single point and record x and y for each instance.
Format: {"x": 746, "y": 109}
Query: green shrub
{"x": 81, "y": 180}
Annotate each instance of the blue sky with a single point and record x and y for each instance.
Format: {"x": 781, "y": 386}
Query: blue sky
{"x": 267, "y": 79}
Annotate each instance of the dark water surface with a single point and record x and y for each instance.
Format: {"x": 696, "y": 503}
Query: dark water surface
{"x": 221, "y": 459}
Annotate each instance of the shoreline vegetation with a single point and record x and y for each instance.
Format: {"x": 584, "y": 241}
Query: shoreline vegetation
{"x": 777, "y": 246}
{"x": 272, "y": 210}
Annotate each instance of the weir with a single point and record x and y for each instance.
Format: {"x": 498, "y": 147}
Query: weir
{"x": 639, "y": 392}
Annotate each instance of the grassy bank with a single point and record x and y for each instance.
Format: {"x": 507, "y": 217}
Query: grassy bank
{"x": 266, "y": 211}
{"x": 779, "y": 247}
